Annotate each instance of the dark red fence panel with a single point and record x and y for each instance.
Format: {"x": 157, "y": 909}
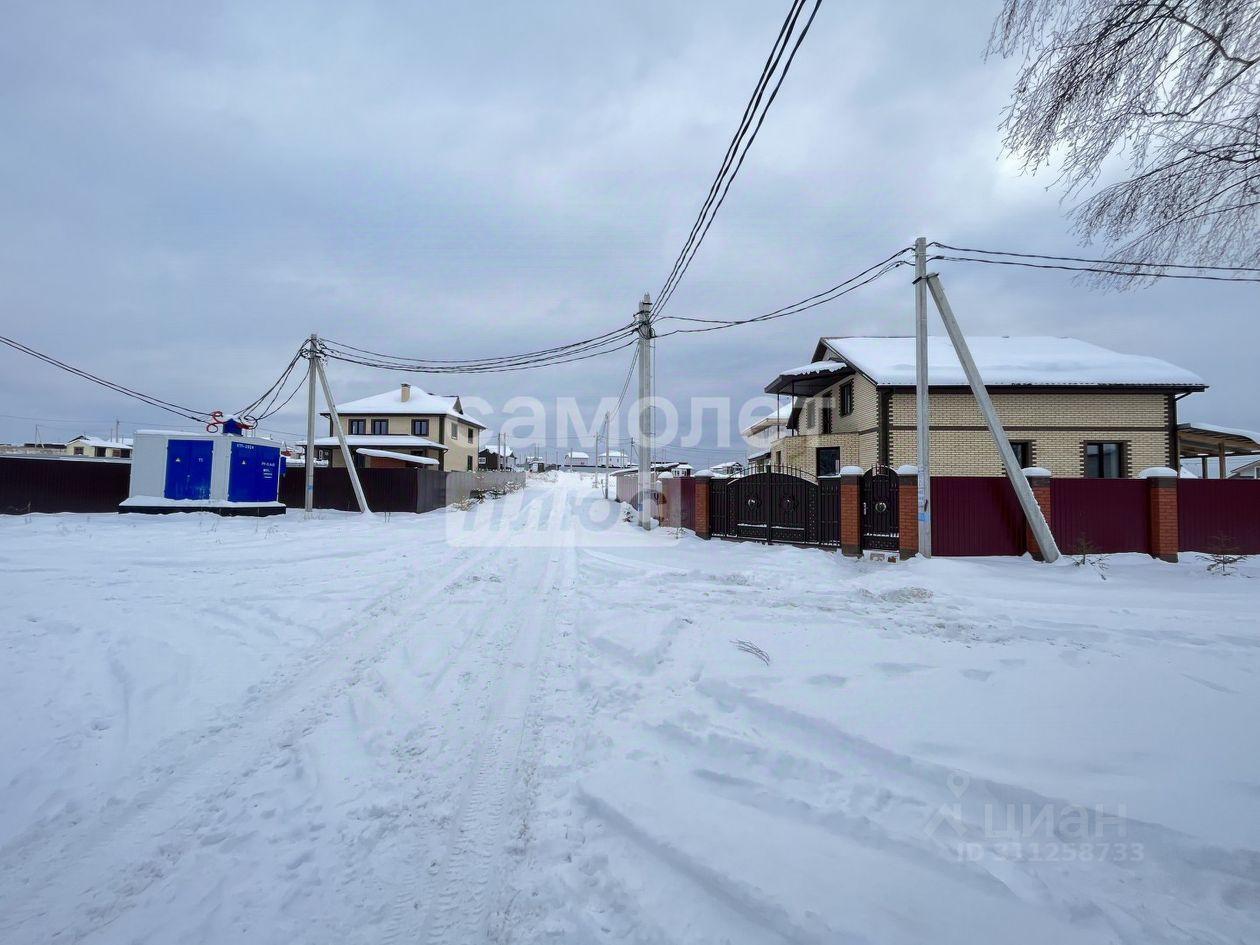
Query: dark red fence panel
{"x": 627, "y": 486}
{"x": 35, "y": 484}
{"x": 1101, "y": 516}
{"x": 1219, "y": 515}
{"x": 386, "y": 490}
{"x": 976, "y": 515}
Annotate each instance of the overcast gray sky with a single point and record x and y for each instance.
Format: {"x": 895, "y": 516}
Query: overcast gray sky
{"x": 188, "y": 190}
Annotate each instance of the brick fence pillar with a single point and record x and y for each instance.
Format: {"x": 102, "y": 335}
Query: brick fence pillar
{"x": 1039, "y": 480}
{"x": 908, "y": 510}
{"x": 701, "y": 510}
{"x": 851, "y": 510}
{"x": 1162, "y": 484}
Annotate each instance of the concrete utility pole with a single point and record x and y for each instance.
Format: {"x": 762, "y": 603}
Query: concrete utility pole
{"x": 341, "y": 439}
{"x": 921, "y": 405}
{"x": 312, "y": 350}
{"x": 644, "y": 324}
{"x": 1023, "y": 491}
{"x": 607, "y": 453}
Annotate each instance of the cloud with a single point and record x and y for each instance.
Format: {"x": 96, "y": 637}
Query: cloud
{"x": 191, "y": 191}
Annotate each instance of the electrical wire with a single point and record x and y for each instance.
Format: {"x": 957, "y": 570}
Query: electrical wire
{"x": 1135, "y": 273}
{"x": 731, "y": 164}
{"x": 1082, "y": 259}
{"x": 441, "y": 364}
{"x": 170, "y": 407}
{"x": 391, "y": 365}
{"x": 863, "y": 278}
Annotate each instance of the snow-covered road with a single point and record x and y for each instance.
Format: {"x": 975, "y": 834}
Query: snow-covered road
{"x": 532, "y": 723}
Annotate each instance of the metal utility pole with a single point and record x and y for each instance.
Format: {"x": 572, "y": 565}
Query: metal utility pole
{"x": 312, "y": 350}
{"x": 644, "y": 324}
{"x": 1027, "y": 501}
{"x": 921, "y": 406}
{"x": 341, "y": 439}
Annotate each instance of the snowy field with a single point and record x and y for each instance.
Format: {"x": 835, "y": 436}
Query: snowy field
{"x": 539, "y": 724}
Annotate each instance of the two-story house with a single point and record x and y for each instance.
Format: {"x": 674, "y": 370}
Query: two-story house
{"x": 407, "y": 421}
{"x": 84, "y": 445}
{"x": 1073, "y": 407}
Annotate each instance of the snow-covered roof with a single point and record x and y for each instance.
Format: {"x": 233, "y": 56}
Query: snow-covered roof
{"x": 576, "y": 455}
{"x": 418, "y": 403}
{"x": 1008, "y": 360}
{"x": 493, "y": 450}
{"x": 405, "y": 457}
{"x": 381, "y": 439}
{"x": 778, "y": 418}
{"x": 817, "y": 367}
{"x": 123, "y": 444}
{"x": 1223, "y": 431}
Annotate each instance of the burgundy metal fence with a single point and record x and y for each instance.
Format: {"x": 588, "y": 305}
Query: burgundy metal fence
{"x": 976, "y": 515}
{"x": 1219, "y": 515}
{"x": 1100, "y": 516}
{"x": 37, "y": 484}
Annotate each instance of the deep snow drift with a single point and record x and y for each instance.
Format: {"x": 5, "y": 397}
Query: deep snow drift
{"x": 534, "y": 723}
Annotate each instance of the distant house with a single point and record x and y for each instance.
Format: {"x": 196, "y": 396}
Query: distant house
{"x": 762, "y": 433}
{"x": 407, "y": 421}
{"x": 491, "y": 457}
{"x": 1249, "y": 471}
{"x": 577, "y": 458}
{"x": 1080, "y": 410}
{"x": 613, "y": 459}
{"x": 84, "y": 445}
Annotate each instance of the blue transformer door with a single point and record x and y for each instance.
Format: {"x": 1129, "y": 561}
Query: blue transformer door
{"x": 255, "y": 473}
{"x": 188, "y": 466}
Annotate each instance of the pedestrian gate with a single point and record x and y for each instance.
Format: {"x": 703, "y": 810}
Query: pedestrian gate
{"x": 881, "y": 528}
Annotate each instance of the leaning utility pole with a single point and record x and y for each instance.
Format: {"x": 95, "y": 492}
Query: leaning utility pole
{"x": 1023, "y": 491}
{"x": 312, "y": 348}
{"x": 921, "y": 404}
{"x": 341, "y": 438}
{"x": 644, "y": 325}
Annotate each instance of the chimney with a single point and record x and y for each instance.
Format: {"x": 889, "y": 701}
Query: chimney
{"x": 406, "y": 393}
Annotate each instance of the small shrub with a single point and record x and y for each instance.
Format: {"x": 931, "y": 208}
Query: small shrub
{"x": 1086, "y": 554}
{"x": 1223, "y": 556}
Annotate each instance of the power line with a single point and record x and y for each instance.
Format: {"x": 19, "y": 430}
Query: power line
{"x": 741, "y": 142}
{"x": 189, "y": 412}
{"x": 1135, "y": 273}
{"x": 569, "y": 357}
{"x": 863, "y": 278}
{"x": 438, "y": 365}
{"x": 1101, "y": 262}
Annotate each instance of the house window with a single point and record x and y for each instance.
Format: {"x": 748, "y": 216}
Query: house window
{"x": 1023, "y": 453}
{"x": 845, "y": 397}
{"x": 470, "y": 433}
{"x": 78, "y": 451}
{"x": 358, "y": 427}
{"x": 380, "y": 427}
{"x": 419, "y": 427}
{"x": 454, "y": 431}
{"x": 100, "y": 450}
{"x": 1104, "y": 460}
{"x": 826, "y": 420}
{"x": 809, "y": 415}
{"x": 470, "y": 462}
{"x": 827, "y": 459}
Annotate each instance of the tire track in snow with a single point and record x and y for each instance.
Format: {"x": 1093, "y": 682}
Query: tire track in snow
{"x": 108, "y": 856}
{"x": 463, "y": 891}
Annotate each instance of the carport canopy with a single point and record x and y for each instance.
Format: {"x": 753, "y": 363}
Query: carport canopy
{"x": 1203, "y": 441}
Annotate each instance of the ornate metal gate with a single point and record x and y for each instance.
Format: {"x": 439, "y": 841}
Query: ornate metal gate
{"x": 783, "y": 505}
{"x": 881, "y": 529}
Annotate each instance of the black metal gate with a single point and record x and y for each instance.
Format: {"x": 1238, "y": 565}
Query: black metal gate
{"x": 783, "y": 505}
{"x": 881, "y": 528}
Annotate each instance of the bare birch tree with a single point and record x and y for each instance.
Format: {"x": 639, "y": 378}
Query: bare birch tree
{"x": 1170, "y": 87}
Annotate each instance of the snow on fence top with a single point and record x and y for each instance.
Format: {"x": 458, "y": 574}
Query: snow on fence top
{"x": 1010, "y": 360}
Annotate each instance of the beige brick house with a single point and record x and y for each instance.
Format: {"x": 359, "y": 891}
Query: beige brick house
{"x": 1075, "y": 408}
{"x": 405, "y": 421}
